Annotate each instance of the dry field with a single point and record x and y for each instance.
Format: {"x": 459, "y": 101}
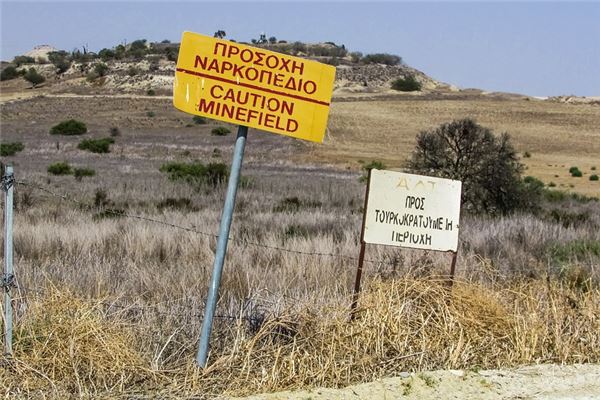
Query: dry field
{"x": 557, "y": 135}
{"x": 110, "y": 306}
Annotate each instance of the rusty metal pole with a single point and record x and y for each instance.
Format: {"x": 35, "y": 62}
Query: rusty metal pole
{"x": 452, "y": 268}
{"x": 361, "y": 255}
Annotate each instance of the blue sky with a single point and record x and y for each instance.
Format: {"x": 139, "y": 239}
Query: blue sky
{"x": 536, "y": 48}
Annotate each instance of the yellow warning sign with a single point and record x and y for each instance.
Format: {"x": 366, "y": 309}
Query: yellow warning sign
{"x": 251, "y": 86}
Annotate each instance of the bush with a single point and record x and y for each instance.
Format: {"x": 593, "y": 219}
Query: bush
{"x": 198, "y": 120}
{"x": 220, "y": 131}
{"x": 216, "y": 173}
{"x": 79, "y": 173}
{"x": 20, "y": 60}
{"x": 150, "y": 92}
{"x": 60, "y": 60}
{"x": 486, "y": 164}
{"x": 106, "y": 54}
{"x": 101, "y": 69}
{"x": 382, "y": 58}
{"x": 196, "y": 173}
{"x": 69, "y": 127}
{"x": 114, "y": 131}
{"x": 294, "y": 204}
{"x": 575, "y": 172}
{"x": 527, "y": 155}
{"x": 10, "y": 148}
{"x": 150, "y": 114}
{"x": 96, "y": 145}
{"x": 8, "y": 73}
{"x": 406, "y": 84}
{"x": 60, "y": 168}
{"x": 368, "y": 167}
{"x": 594, "y": 177}
{"x": 132, "y": 71}
{"x": 33, "y": 77}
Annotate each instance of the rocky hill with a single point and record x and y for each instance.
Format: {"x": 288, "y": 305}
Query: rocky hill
{"x": 150, "y": 69}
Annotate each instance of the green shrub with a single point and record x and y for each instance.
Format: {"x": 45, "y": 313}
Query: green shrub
{"x": 60, "y": 60}
{"x": 382, "y": 58}
{"x": 101, "y": 69}
{"x": 114, "y": 131}
{"x": 10, "y": 148}
{"x": 150, "y": 114}
{"x": 20, "y": 60}
{"x": 527, "y": 155}
{"x": 150, "y": 92}
{"x": 198, "y": 120}
{"x": 132, "y": 71}
{"x": 8, "y": 73}
{"x": 60, "y": 168}
{"x": 576, "y": 173}
{"x": 196, "y": 173}
{"x": 294, "y": 204}
{"x": 96, "y": 145}
{"x": 594, "y": 177}
{"x": 106, "y": 54}
{"x": 216, "y": 173}
{"x": 569, "y": 219}
{"x": 367, "y": 167}
{"x": 81, "y": 172}
{"x": 406, "y": 84}
{"x": 487, "y": 165}
{"x": 573, "y": 250}
{"x": 220, "y": 131}
{"x": 69, "y": 127}
{"x": 33, "y": 77}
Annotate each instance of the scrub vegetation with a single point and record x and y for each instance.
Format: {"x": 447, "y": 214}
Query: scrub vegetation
{"x": 121, "y": 298}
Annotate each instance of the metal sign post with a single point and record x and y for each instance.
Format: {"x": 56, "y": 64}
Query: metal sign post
{"x": 252, "y": 88}
{"x": 226, "y": 217}
{"x": 8, "y": 277}
{"x": 361, "y": 255}
{"x": 407, "y": 210}
{"x": 452, "y": 268}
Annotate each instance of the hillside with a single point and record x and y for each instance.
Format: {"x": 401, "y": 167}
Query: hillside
{"x": 153, "y": 69}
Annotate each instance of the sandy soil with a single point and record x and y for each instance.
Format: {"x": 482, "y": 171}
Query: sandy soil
{"x": 548, "y": 382}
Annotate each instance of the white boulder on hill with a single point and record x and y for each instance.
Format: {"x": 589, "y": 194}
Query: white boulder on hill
{"x": 40, "y": 51}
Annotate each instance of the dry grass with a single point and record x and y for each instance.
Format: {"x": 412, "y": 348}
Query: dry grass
{"x": 66, "y": 346}
{"x": 125, "y": 318}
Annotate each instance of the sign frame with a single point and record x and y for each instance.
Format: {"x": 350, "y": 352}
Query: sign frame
{"x": 254, "y": 87}
{"x": 357, "y": 280}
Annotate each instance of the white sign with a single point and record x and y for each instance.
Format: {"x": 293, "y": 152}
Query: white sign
{"x": 415, "y": 211}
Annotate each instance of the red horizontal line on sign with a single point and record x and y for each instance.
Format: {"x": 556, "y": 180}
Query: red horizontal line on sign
{"x": 249, "y": 86}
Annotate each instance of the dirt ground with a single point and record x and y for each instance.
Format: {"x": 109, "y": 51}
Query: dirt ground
{"x": 543, "y": 382}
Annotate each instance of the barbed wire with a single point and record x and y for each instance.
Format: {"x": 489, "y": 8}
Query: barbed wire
{"x": 153, "y": 307}
{"x": 242, "y": 242}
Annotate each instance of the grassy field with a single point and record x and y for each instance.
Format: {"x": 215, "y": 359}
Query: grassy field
{"x": 109, "y": 304}
{"x": 557, "y": 136}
